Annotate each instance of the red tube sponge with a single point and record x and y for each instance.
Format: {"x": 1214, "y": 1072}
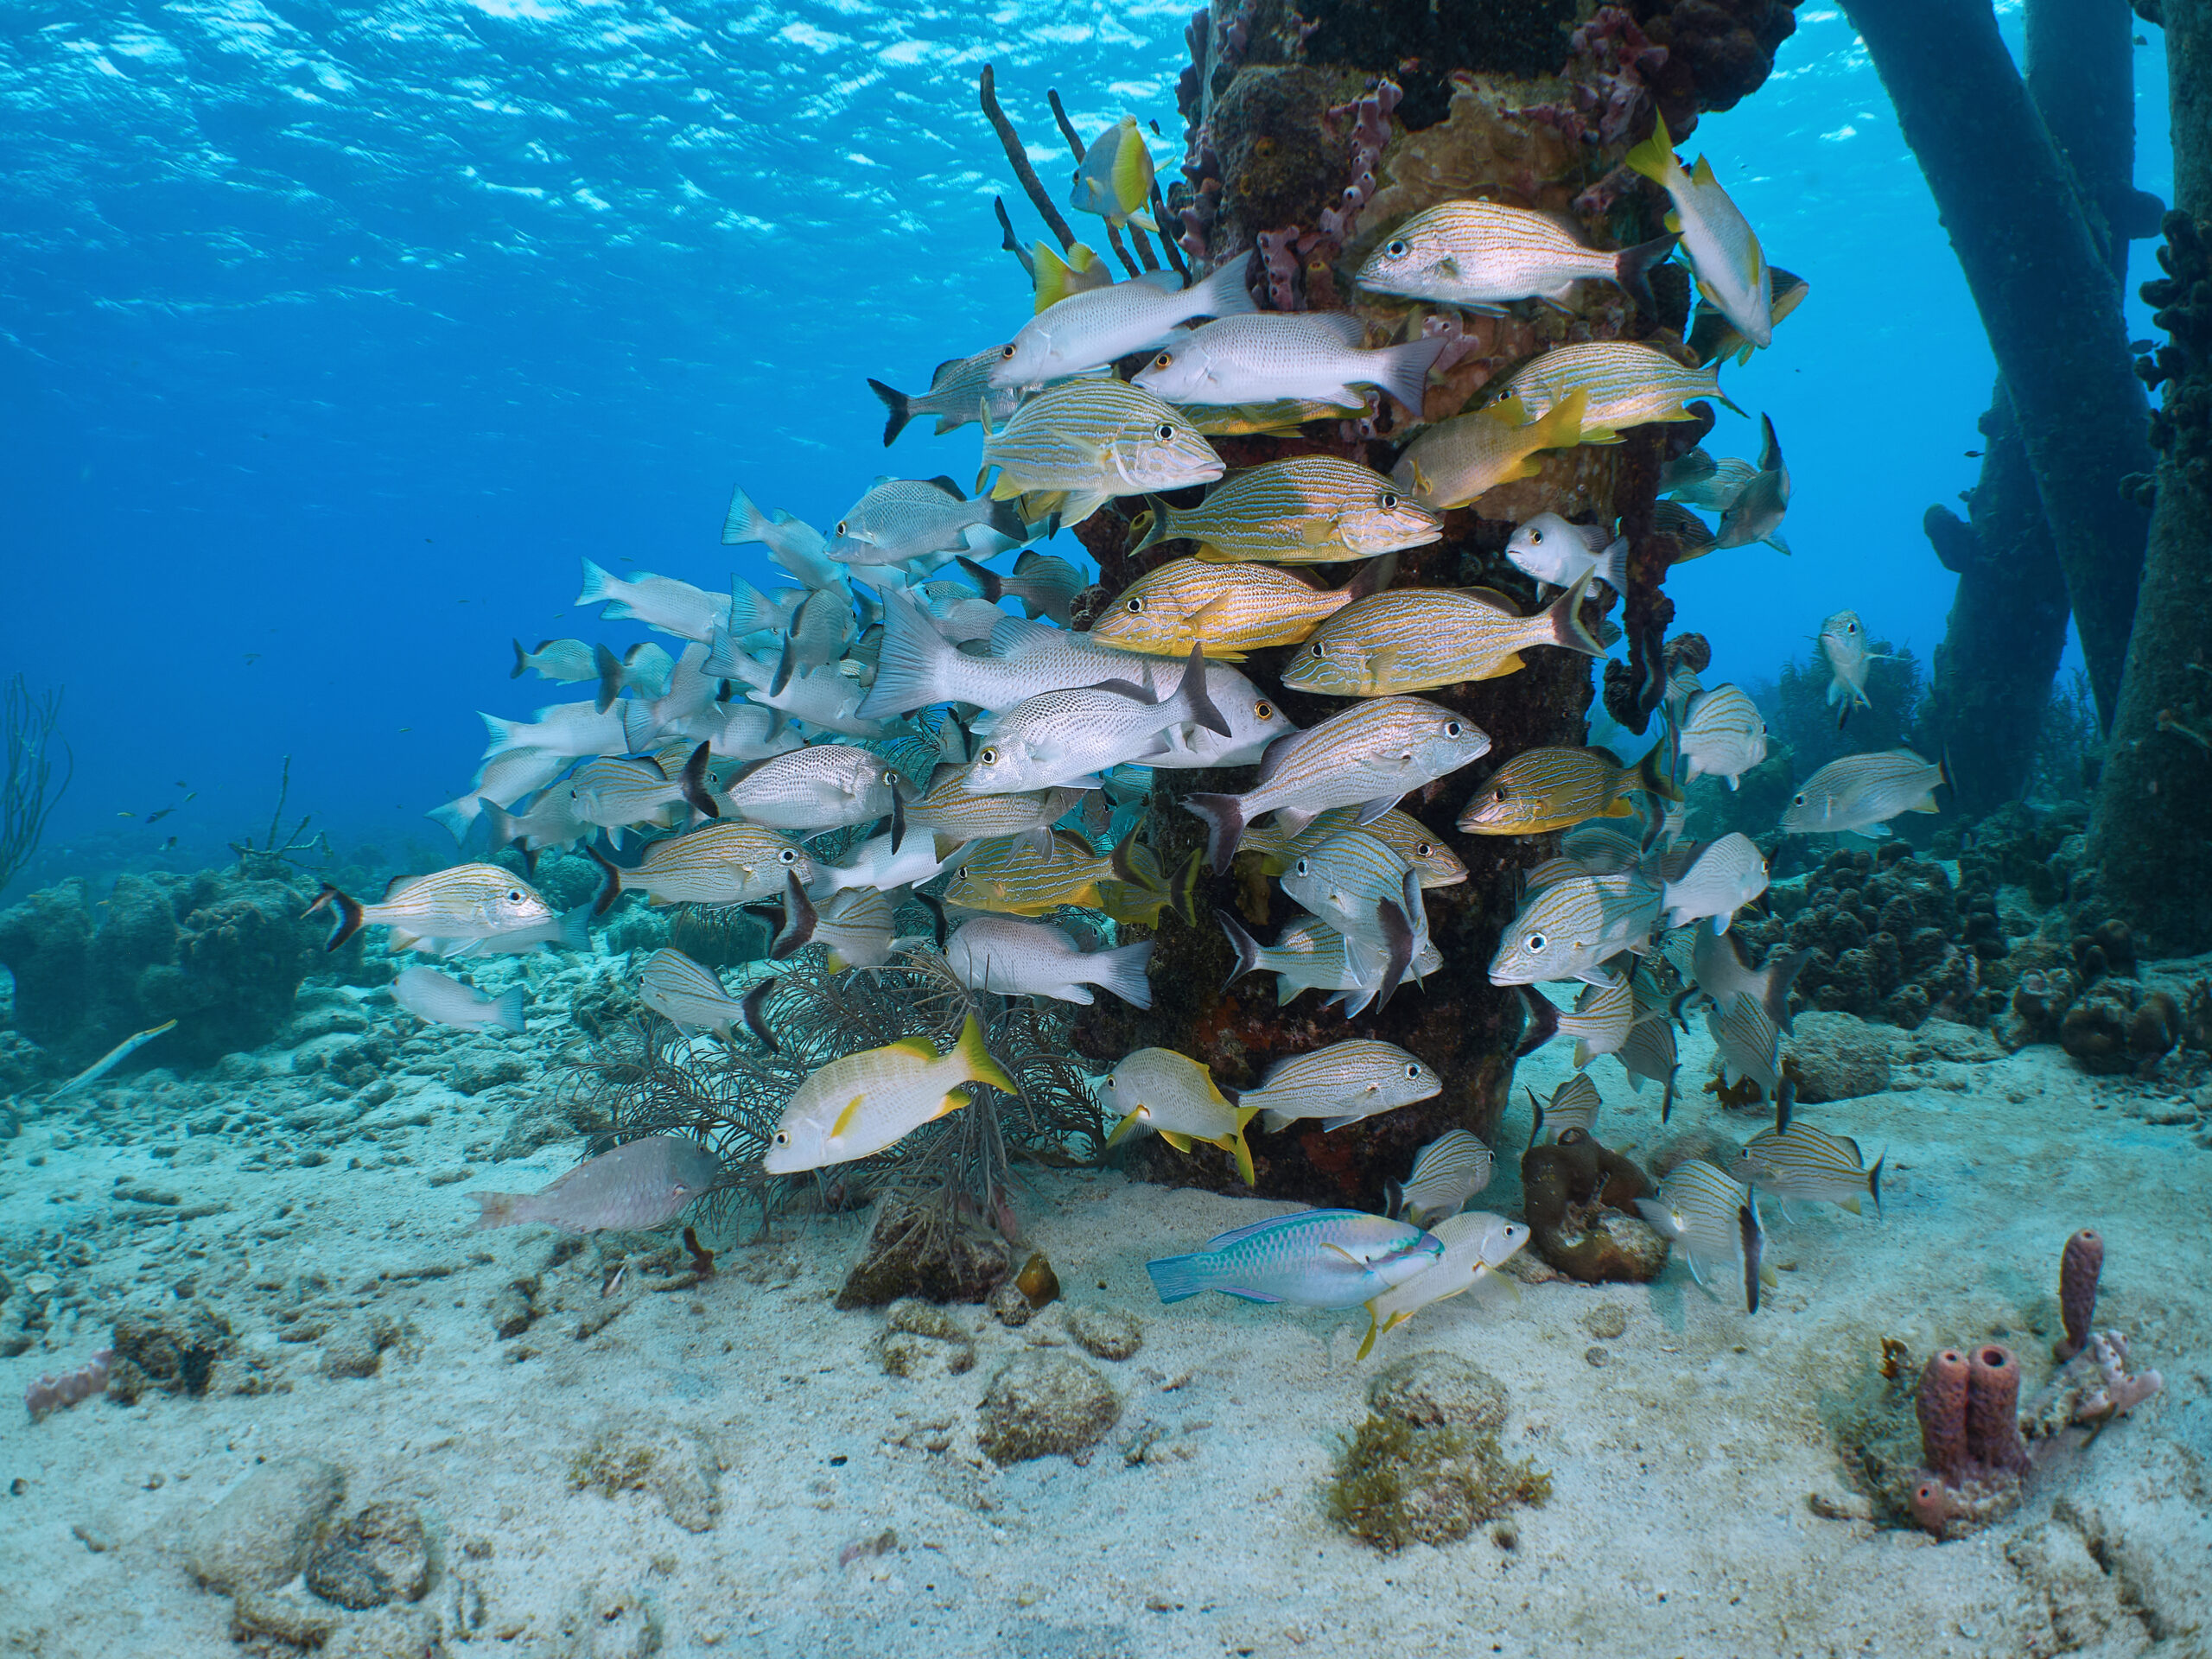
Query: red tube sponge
{"x": 2080, "y": 1266}
{"x": 1994, "y": 1408}
{"x": 1941, "y": 1406}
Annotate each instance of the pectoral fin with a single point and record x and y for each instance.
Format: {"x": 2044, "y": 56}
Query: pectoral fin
{"x": 1180, "y": 1142}
{"x": 847, "y": 1118}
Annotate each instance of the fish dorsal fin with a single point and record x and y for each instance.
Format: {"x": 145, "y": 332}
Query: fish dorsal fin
{"x": 1492, "y": 596}
{"x": 918, "y": 1046}
{"x": 1024, "y": 559}
{"x": 944, "y": 368}
{"x": 1701, "y": 174}
{"x": 847, "y": 1118}
{"x": 948, "y": 486}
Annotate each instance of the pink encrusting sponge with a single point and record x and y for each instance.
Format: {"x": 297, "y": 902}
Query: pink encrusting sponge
{"x": 52, "y": 1392}
{"x": 2080, "y": 1266}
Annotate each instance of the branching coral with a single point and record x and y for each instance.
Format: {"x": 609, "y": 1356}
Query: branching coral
{"x": 26, "y": 791}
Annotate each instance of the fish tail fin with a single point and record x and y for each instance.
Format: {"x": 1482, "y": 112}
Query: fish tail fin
{"x": 1754, "y": 1245}
{"x": 1224, "y": 819}
{"x": 1543, "y": 1022}
{"x": 1398, "y": 936}
{"x": 1565, "y": 619}
{"x": 1236, "y": 1148}
{"x": 1536, "y": 1127}
{"x": 1246, "y": 947}
{"x": 1150, "y": 526}
{"x": 1374, "y": 1330}
{"x": 1393, "y": 1198}
{"x": 1562, "y": 429}
{"x": 988, "y": 583}
{"x": 1006, "y": 520}
{"x": 1191, "y": 691}
{"x": 909, "y": 672}
{"x": 1183, "y": 890}
{"x": 693, "y": 782}
{"x": 1654, "y": 157}
{"x": 800, "y": 920}
{"x": 610, "y": 677}
{"x": 349, "y": 914}
{"x": 500, "y": 737}
{"x": 975, "y": 1060}
{"x": 1178, "y": 1278}
{"x": 575, "y": 927}
{"x": 1632, "y": 269}
{"x": 1612, "y": 565}
{"x": 1403, "y": 369}
{"x": 1874, "y": 1181}
{"x": 599, "y": 587}
{"x": 1225, "y": 293}
{"x": 611, "y": 888}
{"x": 1377, "y": 573}
{"x": 456, "y": 817}
{"x": 505, "y": 829}
{"x": 495, "y": 1208}
{"x": 1274, "y": 1122}
{"x": 899, "y": 408}
{"x": 1781, "y": 974}
{"x": 506, "y": 1011}
{"x": 522, "y": 660}
{"x": 1121, "y": 971}
{"x": 754, "y": 1006}
{"x": 744, "y": 522}
{"x": 1655, "y": 773}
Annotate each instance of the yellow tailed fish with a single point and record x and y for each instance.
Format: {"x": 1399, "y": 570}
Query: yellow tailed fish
{"x": 1715, "y": 339}
{"x": 867, "y": 1102}
{"x": 1415, "y": 638}
{"x": 1475, "y": 1245}
{"x": 1557, "y": 789}
{"x": 1176, "y": 1096}
{"x": 1626, "y": 386}
{"x": 1455, "y": 461}
{"x": 1437, "y": 865}
{"x": 1057, "y": 278}
{"x": 1307, "y": 510}
{"x": 1230, "y": 609}
{"x": 1113, "y": 180}
{"x": 1731, "y": 271}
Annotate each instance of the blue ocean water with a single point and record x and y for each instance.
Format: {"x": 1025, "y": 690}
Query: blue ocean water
{"x": 332, "y": 336}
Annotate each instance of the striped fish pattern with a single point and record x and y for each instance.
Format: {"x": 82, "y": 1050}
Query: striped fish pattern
{"x": 1437, "y": 865}
{"x": 724, "y": 863}
{"x": 468, "y": 902}
{"x": 1340, "y": 1084}
{"x": 1018, "y": 877}
{"x": 1229, "y": 609}
{"x": 1626, "y": 385}
{"x": 1308, "y": 509}
{"x": 1346, "y": 880}
{"x": 1447, "y": 1173}
{"x": 1715, "y": 1221}
{"x": 1748, "y": 1040}
{"x": 1419, "y": 638}
{"x": 1861, "y": 792}
{"x": 1573, "y": 1105}
{"x": 1475, "y": 1247}
{"x": 1571, "y": 927}
{"x": 687, "y": 995}
{"x": 1541, "y": 790}
{"x": 1090, "y": 440}
{"x": 1796, "y": 1161}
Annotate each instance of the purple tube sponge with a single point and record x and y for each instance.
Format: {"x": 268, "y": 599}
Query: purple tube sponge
{"x": 52, "y": 1392}
{"x": 2080, "y": 1266}
{"x": 1994, "y": 1408}
{"x": 1941, "y": 1404}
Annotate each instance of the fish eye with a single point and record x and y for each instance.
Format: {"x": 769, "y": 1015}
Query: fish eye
{"x": 1534, "y": 941}
{"x": 841, "y": 526}
{"x": 1301, "y": 867}
{"x": 1451, "y": 728}
{"x": 1535, "y": 538}
{"x": 1397, "y": 250}
{"x": 1263, "y": 709}
{"x": 1500, "y": 795}
{"x": 513, "y": 897}
{"x": 1135, "y": 607}
{"x": 1163, "y": 431}
{"x": 1799, "y": 801}
{"x": 1163, "y": 359}
{"x": 1319, "y": 650}
{"x": 988, "y": 757}
{"x": 1422, "y": 849}
{"x": 1390, "y": 501}
{"x": 788, "y": 856}
{"x": 783, "y": 1137}
{"x": 1413, "y": 1070}
{"x": 1006, "y": 353}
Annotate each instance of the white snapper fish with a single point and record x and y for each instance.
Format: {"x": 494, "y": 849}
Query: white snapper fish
{"x": 468, "y": 902}
{"x": 900, "y": 519}
{"x": 1551, "y": 550}
{"x": 1368, "y": 892}
{"x": 1720, "y": 972}
{"x": 1700, "y": 480}
{"x": 919, "y": 666}
{"x": 1843, "y": 642}
{"x": 1726, "y": 875}
{"x": 1340, "y": 1084}
{"x": 1482, "y": 255}
{"x": 1447, "y": 1173}
{"x": 1371, "y": 756}
{"x": 1068, "y": 737}
{"x": 660, "y": 602}
{"x": 1863, "y": 792}
{"x": 1287, "y": 355}
{"x": 793, "y": 542}
{"x": 1476, "y": 1246}
{"x": 865, "y": 1103}
{"x": 960, "y": 390}
{"x": 1310, "y": 955}
{"x": 1311, "y": 1258}
{"x": 1015, "y": 957}
{"x": 640, "y": 1185}
{"x": 1254, "y": 721}
{"x": 1045, "y": 583}
{"x": 1177, "y": 1097}
{"x": 822, "y": 787}
{"x": 1731, "y": 271}
{"x": 562, "y": 660}
{"x": 431, "y": 996}
{"x": 1716, "y": 1223}
{"x": 1090, "y": 329}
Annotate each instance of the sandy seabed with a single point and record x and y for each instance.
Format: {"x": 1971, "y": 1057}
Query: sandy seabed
{"x": 1699, "y": 1506}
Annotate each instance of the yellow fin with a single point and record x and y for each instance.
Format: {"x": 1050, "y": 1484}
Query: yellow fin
{"x": 1767, "y": 1276}
{"x": 975, "y": 1060}
{"x": 1674, "y": 221}
{"x": 1374, "y": 1331}
{"x": 919, "y": 1046}
{"x": 1654, "y": 157}
{"x": 1701, "y": 174}
{"x": 951, "y": 1103}
{"x": 1237, "y": 1149}
{"x": 1121, "y": 1129}
{"x": 1180, "y": 1142}
{"x": 845, "y": 1118}
{"x": 1852, "y": 1204}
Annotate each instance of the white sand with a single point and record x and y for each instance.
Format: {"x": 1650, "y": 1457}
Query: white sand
{"x": 1683, "y": 1466}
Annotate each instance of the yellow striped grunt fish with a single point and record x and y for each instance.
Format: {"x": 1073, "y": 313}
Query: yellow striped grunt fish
{"x": 1557, "y": 789}
{"x": 1796, "y": 1161}
{"x": 1453, "y": 462}
{"x": 1476, "y": 1246}
{"x": 1229, "y": 609}
{"x": 1574, "y": 1105}
{"x": 1307, "y": 510}
{"x": 1176, "y": 1096}
{"x": 1437, "y": 865}
{"x": 1340, "y": 1084}
{"x": 1715, "y": 1221}
{"x": 1626, "y": 386}
{"x": 689, "y": 995}
{"x": 1573, "y": 926}
{"x": 1480, "y": 255}
{"x": 469, "y": 901}
{"x": 1600, "y": 1022}
{"x": 868, "y": 1102}
{"x": 1748, "y": 1040}
{"x": 724, "y": 863}
{"x": 1862, "y": 792}
{"x": 1075, "y": 446}
{"x": 1417, "y": 638}
{"x": 952, "y": 810}
{"x": 1447, "y": 1173}
{"x": 1731, "y": 271}
{"x": 1018, "y": 876}
{"x": 1692, "y": 535}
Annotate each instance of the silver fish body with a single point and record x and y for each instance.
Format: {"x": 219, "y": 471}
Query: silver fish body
{"x": 1573, "y": 927}
{"x": 793, "y": 542}
{"x": 1068, "y": 737}
{"x": 1723, "y": 733}
{"x": 638, "y": 1186}
{"x": 1446, "y": 1173}
{"x": 1756, "y": 513}
{"x": 960, "y": 391}
{"x": 1316, "y": 355}
{"x": 1340, "y": 1084}
{"x": 562, "y": 660}
{"x": 1726, "y": 875}
{"x": 1714, "y": 1221}
{"x": 824, "y": 786}
{"x": 689, "y": 995}
{"x": 904, "y": 519}
{"x": 1748, "y": 1039}
{"x": 1862, "y": 792}
{"x": 919, "y": 666}
{"x": 660, "y": 602}
{"x": 729, "y": 862}
{"x": 1015, "y": 957}
{"x": 431, "y": 996}
{"x": 1090, "y": 329}
{"x": 1551, "y": 550}
{"x": 1573, "y": 1105}
{"x": 1482, "y": 255}
{"x": 1799, "y": 1161}
{"x": 1347, "y": 882}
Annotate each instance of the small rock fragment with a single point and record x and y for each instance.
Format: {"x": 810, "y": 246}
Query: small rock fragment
{"x": 1431, "y": 1390}
{"x": 1104, "y": 1333}
{"x": 1043, "y": 1402}
{"x": 1605, "y": 1321}
{"x": 1010, "y": 1308}
{"x": 286, "y": 1615}
{"x": 259, "y": 1535}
